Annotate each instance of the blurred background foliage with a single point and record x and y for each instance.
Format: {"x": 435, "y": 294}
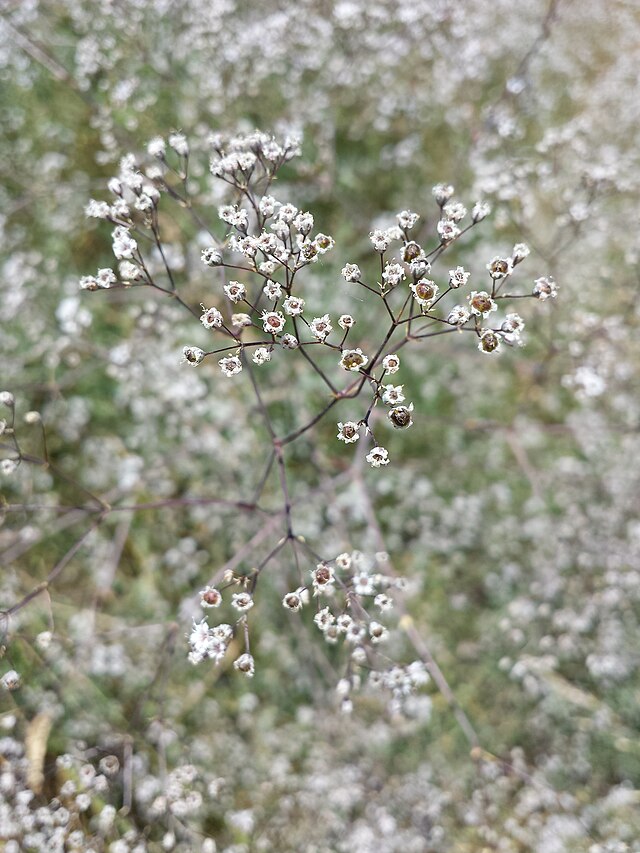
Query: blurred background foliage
{"x": 512, "y": 505}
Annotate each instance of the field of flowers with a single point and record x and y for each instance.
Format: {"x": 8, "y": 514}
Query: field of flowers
{"x": 319, "y": 426}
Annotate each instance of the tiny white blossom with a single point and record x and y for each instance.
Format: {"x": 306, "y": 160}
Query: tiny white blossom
{"x": 351, "y": 272}
{"x": 353, "y": 359}
{"x": 261, "y": 355}
{"x": 391, "y": 363}
{"x": 458, "y": 277}
{"x": 272, "y": 322}
{"x": 293, "y": 305}
{"x": 407, "y": 219}
{"x": 481, "y": 304}
{"x": 346, "y": 321}
{"x": 246, "y": 665}
{"x": 211, "y": 256}
{"x": 10, "y": 680}
{"x": 156, "y": 147}
{"x": 489, "y": 342}
{"x": 272, "y": 289}
{"x": 211, "y": 318}
{"x": 320, "y": 327}
{"x": 500, "y": 268}
{"x": 392, "y": 394}
{"x": 481, "y": 209}
{"x": 447, "y": 230}
{"x": 231, "y": 365}
{"x": 192, "y": 355}
{"x": 242, "y": 601}
{"x": 545, "y": 288}
{"x": 235, "y": 290}
{"x": 348, "y": 432}
{"x": 378, "y": 457}
{"x": 459, "y": 315}
{"x": 442, "y": 193}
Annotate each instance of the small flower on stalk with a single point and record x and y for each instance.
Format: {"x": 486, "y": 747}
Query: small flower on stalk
{"x": 293, "y": 601}
{"x": 346, "y": 321}
{"x": 481, "y": 209}
{"x": 383, "y": 602}
{"x": 242, "y": 601}
{"x": 378, "y": 457}
{"x": 407, "y": 219}
{"x": 272, "y": 322}
{"x": 400, "y": 416}
{"x": 289, "y": 342}
{"x": 240, "y": 320}
{"x": 481, "y": 304}
{"x": 293, "y": 305}
{"x": 391, "y": 363}
{"x": 323, "y": 578}
{"x": 545, "y": 288}
{"x": 353, "y": 359}
{"x": 380, "y": 240}
{"x": 210, "y": 597}
{"x": 235, "y": 291}
{"x": 512, "y": 326}
{"x": 459, "y": 315}
{"x": 324, "y": 619}
{"x": 489, "y": 342}
{"x": 105, "y": 278}
{"x": 343, "y": 561}
{"x": 378, "y": 632}
{"x": 351, "y": 273}
{"x": 447, "y": 230}
{"x": 348, "y": 432}
{"x": 324, "y": 243}
{"x": 442, "y": 193}
{"x": 424, "y": 291}
{"x": 392, "y": 394}
{"x": 211, "y": 257}
{"x": 10, "y": 680}
{"x": 272, "y": 289}
{"x": 455, "y": 211}
{"x": 261, "y": 355}
{"x": 245, "y": 664}
{"x": 192, "y": 355}
{"x": 393, "y": 274}
{"x": 458, "y": 277}
{"x": 500, "y": 268}
{"x": 211, "y": 318}
{"x": 320, "y": 327}
{"x": 520, "y": 252}
{"x": 231, "y": 365}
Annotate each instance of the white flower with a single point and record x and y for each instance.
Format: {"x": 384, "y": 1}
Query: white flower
{"x": 124, "y": 245}
{"x": 424, "y": 291}
{"x": 353, "y": 359}
{"x": 192, "y": 355}
{"x": 323, "y": 243}
{"x": 238, "y": 217}
{"x": 200, "y": 636}
{"x": 458, "y": 277}
{"x": 261, "y": 355}
{"x": 406, "y": 219}
{"x": 88, "y": 282}
{"x": 267, "y": 205}
{"x": 391, "y": 363}
{"x": 355, "y": 633}
{"x": 97, "y": 209}
{"x": 211, "y": 318}
{"x": 400, "y": 416}
{"x": 351, "y": 272}
{"x": 380, "y": 240}
{"x": 211, "y": 256}
{"x": 393, "y": 274}
{"x": 343, "y": 561}
{"x": 363, "y": 583}
{"x": 272, "y": 322}
{"x": 392, "y": 394}
{"x": 8, "y": 467}
{"x": 231, "y": 365}
{"x": 323, "y": 578}
{"x": 10, "y": 680}
{"x": 442, "y": 193}
{"x": 129, "y": 271}
{"x": 245, "y": 664}
{"x": 500, "y": 268}
{"x": 377, "y": 457}
{"x": 292, "y": 601}
{"x": 272, "y": 289}
{"x": 287, "y": 213}
{"x": 454, "y": 211}
{"x": 489, "y": 342}
{"x": 289, "y": 341}
{"x": 447, "y": 230}
{"x": 324, "y": 619}
{"x": 346, "y": 321}
{"x": 235, "y": 291}
{"x": 178, "y": 141}
{"x": 481, "y": 304}
{"x": 293, "y": 305}
{"x": 378, "y": 632}
{"x": 481, "y": 209}
{"x": 520, "y": 252}
{"x": 210, "y": 597}
{"x": 7, "y": 399}
{"x": 459, "y": 315}
{"x": 348, "y": 432}
{"x": 513, "y": 325}
{"x": 545, "y": 288}
{"x": 156, "y": 147}
{"x": 320, "y": 327}
{"x": 383, "y": 602}
{"x": 242, "y": 601}
{"x": 241, "y": 319}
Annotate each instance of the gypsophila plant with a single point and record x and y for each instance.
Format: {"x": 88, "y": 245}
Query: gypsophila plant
{"x": 259, "y": 316}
